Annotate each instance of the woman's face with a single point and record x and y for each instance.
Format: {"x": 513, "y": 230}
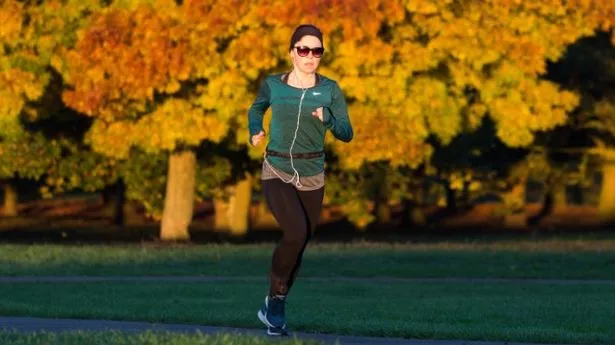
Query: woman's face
{"x": 308, "y": 63}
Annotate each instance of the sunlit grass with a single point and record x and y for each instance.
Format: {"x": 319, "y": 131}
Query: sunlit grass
{"x": 144, "y": 338}
{"x": 580, "y": 257}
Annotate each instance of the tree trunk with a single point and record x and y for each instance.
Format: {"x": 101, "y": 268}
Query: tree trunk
{"x": 263, "y": 216}
{"x": 515, "y": 206}
{"x": 383, "y": 211}
{"x": 548, "y": 204}
{"x": 606, "y": 207}
{"x": 413, "y": 207}
{"x": 10, "y": 200}
{"x": 559, "y": 194}
{"x": 179, "y": 197}
{"x": 114, "y": 200}
{"x": 233, "y": 215}
{"x": 379, "y": 189}
{"x": 554, "y": 196}
{"x": 465, "y": 195}
{"x": 413, "y": 213}
{"x": 451, "y": 198}
{"x": 577, "y": 194}
{"x": 120, "y": 202}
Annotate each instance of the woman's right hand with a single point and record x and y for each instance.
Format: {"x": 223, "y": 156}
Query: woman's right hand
{"x": 256, "y": 139}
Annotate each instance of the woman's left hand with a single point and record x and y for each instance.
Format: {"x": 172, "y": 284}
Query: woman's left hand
{"x": 318, "y": 114}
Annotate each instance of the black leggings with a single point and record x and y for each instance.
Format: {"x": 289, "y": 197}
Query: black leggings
{"x": 297, "y": 213}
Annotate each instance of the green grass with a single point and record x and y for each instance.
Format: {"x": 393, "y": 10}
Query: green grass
{"x": 145, "y": 338}
{"x": 573, "y": 258}
{"x": 520, "y": 311}
{"x": 542, "y": 313}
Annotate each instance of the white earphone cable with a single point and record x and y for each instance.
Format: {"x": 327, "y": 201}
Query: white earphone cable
{"x": 295, "y": 176}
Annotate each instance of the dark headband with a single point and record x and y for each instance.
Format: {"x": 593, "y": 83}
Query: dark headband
{"x": 304, "y": 30}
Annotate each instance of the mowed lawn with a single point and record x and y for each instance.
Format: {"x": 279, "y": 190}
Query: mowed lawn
{"x": 144, "y": 338}
{"x": 556, "y": 290}
{"x": 572, "y": 257}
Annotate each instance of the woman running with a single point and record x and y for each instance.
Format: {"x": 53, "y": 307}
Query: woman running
{"x": 304, "y": 105}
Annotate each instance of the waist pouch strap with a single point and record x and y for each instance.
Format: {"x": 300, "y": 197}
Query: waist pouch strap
{"x": 305, "y": 155}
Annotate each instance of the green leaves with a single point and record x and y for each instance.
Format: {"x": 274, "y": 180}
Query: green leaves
{"x": 27, "y": 155}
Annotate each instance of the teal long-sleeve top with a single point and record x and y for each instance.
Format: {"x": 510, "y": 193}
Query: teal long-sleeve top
{"x": 284, "y": 101}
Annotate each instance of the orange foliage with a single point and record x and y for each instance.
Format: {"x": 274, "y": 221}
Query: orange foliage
{"x": 395, "y": 60}
{"x": 150, "y": 68}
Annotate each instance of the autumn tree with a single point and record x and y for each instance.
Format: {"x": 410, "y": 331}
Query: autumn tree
{"x": 157, "y": 76}
{"x": 163, "y": 77}
{"x": 40, "y": 137}
{"x": 416, "y": 70}
{"x": 30, "y": 34}
{"x": 21, "y": 82}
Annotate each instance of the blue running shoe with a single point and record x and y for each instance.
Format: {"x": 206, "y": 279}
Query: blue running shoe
{"x": 272, "y": 315}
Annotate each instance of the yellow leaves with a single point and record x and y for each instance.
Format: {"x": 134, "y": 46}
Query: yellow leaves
{"x": 18, "y": 62}
{"x": 16, "y": 88}
{"x": 347, "y": 13}
{"x": 458, "y": 179}
{"x": 355, "y": 87}
{"x": 173, "y": 123}
{"x": 549, "y": 104}
{"x": 21, "y": 84}
{"x": 530, "y": 106}
{"x": 441, "y": 110}
{"x": 113, "y": 140}
{"x": 603, "y": 121}
{"x": 358, "y": 212}
{"x": 408, "y": 67}
{"x": 528, "y": 55}
{"x": 11, "y": 19}
{"x": 524, "y": 23}
{"x": 172, "y": 87}
{"x": 405, "y": 32}
{"x": 512, "y": 132}
{"x": 352, "y": 58}
{"x": 466, "y": 76}
{"x": 225, "y": 95}
{"x": 423, "y": 6}
{"x": 597, "y": 13}
{"x": 475, "y": 114}
{"x": 495, "y": 49}
{"x": 524, "y": 32}
{"x": 416, "y": 57}
{"x": 10, "y": 107}
{"x": 381, "y": 134}
{"x": 165, "y": 6}
{"x": 162, "y": 74}
{"x": 246, "y": 53}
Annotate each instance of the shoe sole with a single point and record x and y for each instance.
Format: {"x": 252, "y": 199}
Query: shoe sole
{"x": 276, "y": 334}
{"x": 264, "y": 320}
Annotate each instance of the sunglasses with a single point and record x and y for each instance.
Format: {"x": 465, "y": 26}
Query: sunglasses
{"x": 304, "y": 51}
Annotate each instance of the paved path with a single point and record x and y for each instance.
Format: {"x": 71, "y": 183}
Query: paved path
{"x": 188, "y": 279}
{"x": 29, "y": 324}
